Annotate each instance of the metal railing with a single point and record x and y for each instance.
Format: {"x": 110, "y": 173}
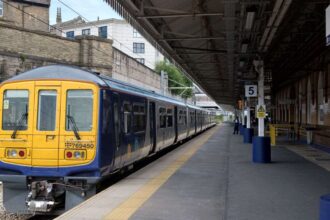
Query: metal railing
{"x": 276, "y": 130}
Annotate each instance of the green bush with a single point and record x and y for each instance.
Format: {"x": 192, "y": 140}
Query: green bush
{"x": 176, "y": 79}
{"x": 218, "y": 119}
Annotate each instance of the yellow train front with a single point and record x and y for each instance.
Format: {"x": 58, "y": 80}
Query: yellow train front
{"x": 48, "y": 136}
{"x": 63, "y": 129}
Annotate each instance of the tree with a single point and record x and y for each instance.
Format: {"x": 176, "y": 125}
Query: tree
{"x": 175, "y": 79}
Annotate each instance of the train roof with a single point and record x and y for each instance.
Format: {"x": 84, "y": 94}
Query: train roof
{"x": 58, "y": 72}
{"x": 76, "y": 73}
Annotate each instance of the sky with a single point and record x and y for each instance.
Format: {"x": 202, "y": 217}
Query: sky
{"x": 90, "y": 9}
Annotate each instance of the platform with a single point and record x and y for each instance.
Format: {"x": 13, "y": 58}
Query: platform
{"x": 212, "y": 177}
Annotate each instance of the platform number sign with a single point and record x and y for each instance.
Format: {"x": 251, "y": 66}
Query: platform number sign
{"x": 251, "y": 91}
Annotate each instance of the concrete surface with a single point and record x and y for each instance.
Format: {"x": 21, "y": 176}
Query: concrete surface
{"x": 219, "y": 182}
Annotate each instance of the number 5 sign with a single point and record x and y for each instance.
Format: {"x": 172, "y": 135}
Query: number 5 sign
{"x": 251, "y": 91}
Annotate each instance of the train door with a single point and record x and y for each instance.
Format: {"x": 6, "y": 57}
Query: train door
{"x": 152, "y": 121}
{"x": 176, "y": 124}
{"x": 195, "y": 121}
{"x": 162, "y": 128}
{"x": 45, "y": 151}
{"x": 128, "y": 135}
{"x": 116, "y": 130}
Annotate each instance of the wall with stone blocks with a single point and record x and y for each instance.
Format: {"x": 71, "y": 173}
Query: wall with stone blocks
{"x": 127, "y": 69}
{"x": 22, "y": 49}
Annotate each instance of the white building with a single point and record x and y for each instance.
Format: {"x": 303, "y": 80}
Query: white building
{"x": 125, "y": 37}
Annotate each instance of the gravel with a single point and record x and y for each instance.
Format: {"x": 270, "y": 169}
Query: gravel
{"x": 9, "y": 216}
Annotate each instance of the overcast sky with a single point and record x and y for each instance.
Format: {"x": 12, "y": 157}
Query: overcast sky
{"x": 90, "y": 9}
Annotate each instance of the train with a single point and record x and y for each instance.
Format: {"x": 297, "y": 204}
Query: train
{"x": 64, "y": 129}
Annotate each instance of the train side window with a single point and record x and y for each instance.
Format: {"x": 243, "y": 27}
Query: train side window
{"x": 184, "y": 117}
{"x": 180, "y": 117}
{"x": 139, "y": 119}
{"x": 162, "y": 117}
{"x": 169, "y": 118}
{"x": 127, "y": 117}
{"x": 15, "y": 109}
{"x": 47, "y": 110}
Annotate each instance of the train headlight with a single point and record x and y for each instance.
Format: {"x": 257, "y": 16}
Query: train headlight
{"x": 12, "y": 153}
{"x": 15, "y": 153}
{"x": 75, "y": 154}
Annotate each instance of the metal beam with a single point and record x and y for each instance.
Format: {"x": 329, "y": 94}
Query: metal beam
{"x": 179, "y": 15}
{"x": 206, "y": 62}
{"x": 164, "y": 9}
{"x": 193, "y": 38}
{"x": 202, "y": 53}
{"x": 200, "y": 49}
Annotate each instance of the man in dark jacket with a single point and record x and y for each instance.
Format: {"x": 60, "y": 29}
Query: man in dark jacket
{"x": 236, "y": 125}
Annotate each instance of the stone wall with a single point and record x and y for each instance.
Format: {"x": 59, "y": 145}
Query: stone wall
{"x": 22, "y": 49}
{"x": 127, "y": 69}
{"x": 27, "y": 15}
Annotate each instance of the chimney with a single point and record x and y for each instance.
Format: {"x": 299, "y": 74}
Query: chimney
{"x": 58, "y": 16}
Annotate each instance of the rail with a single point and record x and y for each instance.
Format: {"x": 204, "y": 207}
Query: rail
{"x": 276, "y": 130}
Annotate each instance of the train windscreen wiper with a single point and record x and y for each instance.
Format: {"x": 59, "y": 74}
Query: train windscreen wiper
{"x": 74, "y": 126}
{"x": 19, "y": 124}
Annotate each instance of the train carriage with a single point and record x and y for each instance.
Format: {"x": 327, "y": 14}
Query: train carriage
{"x": 63, "y": 129}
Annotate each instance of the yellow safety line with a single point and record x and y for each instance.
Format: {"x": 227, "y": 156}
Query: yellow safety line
{"x": 126, "y": 209}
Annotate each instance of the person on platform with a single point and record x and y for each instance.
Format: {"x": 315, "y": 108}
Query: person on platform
{"x": 236, "y": 124}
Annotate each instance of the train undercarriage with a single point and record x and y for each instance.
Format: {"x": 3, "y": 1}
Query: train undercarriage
{"x": 37, "y": 195}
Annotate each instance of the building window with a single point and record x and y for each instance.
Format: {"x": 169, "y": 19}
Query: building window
{"x": 70, "y": 34}
{"x": 136, "y": 34}
{"x": 138, "y": 47}
{"x": 103, "y": 31}
{"x": 86, "y": 32}
{"x": 140, "y": 60}
{"x": 1, "y": 8}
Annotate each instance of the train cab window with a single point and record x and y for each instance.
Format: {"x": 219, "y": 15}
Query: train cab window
{"x": 47, "y": 110}
{"x": 139, "y": 119}
{"x": 127, "y": 117}
{"x": 169, "y": 118}
{"x": 79, "y": 110}
{"x": 15, "y": 109}
{"x": 162, "y": 117}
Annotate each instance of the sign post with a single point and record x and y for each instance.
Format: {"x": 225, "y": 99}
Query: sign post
{"x": 261, "y": 144}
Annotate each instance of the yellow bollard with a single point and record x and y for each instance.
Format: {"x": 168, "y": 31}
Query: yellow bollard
{"x": 272, "y": 131}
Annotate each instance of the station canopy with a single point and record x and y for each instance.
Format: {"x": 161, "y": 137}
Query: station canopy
{"x": 216, "y": 41}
